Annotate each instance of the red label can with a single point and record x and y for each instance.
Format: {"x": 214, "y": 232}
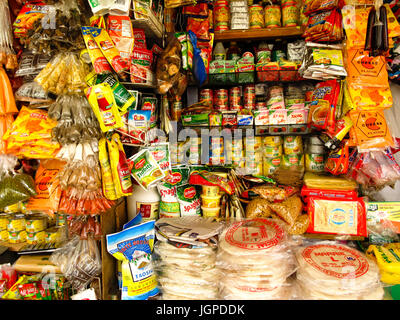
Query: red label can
{"x": 235, "y": 98}
{"x": 206, "y": 94}
{"x": 221, "y": 101}
{"x": 249, "y": 98}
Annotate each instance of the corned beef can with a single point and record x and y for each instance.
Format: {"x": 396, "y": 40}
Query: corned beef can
{"x": 206, "y": 94}
{"x": 235, "y": 98}
{"x": 249, "y": 97}
{"x": 221, "y": 101}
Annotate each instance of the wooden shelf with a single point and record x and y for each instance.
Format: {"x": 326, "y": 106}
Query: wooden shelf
{"x": 258, "y": 34}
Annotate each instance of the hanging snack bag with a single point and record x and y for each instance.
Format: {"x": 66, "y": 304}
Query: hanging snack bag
{"x": 99, "y": 61}
{"x": 133, "y": 246}
{"x": 47, "y": 187}
{"x": 371, "y": 130}
{"x": 140, "y": 66}
{"x": 138, "y": 124}
{"x": 106, "y": 172}
{"x": 123, "y": 98}
{"x": 145, "y": 169}
{"x": 150, "y": 103}
{"x": 311, "y": 6}
{"x": 104, "y": 106}
{"x": 108, "y": 49}
{"x": 189, "y": 200}
{"x": 119, "y": 167}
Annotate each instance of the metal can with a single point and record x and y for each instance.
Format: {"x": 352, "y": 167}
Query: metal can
{"x": 235, "y": 98}
{"x": 272, "y": 141}
{"x": 292, "y": 145}
{"x": 216, "y": 150}
{"x": 61, "y": 219}
{"x": 35, "y": 223}
{"x": 273, "y": 151}
{"x": 52, "y": 235}
{"x": 195, "y": 151}
{"x": 290, "y": 14}
{"x": 249, "y": 97}
{"x": 221, "y": 100}
{"x": 3, "y": 235}
{"x": 256, "y": 16}
{"x": 17, "y": 236}
{"x": 36, "y": 237}
{"x": 270, "y": 165}
{"x": 207, "y": 95}
{"x": 272, "y": 16}
{"x": 4, "y": 221}
{"x": 315, "y": 163}
{"x": 16, "y": 223}
{"x": 221, "y": 15}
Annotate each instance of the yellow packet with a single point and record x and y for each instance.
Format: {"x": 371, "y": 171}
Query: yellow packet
{"x": 388, "y": 259}
{"x": 104, "y": 106}
{"x": 106, "y": 173}
{"x": 119, "y": 167}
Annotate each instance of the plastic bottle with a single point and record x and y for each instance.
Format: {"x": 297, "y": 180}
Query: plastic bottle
{"x": 219, "y": 52}
{"x": 233, "y": 52}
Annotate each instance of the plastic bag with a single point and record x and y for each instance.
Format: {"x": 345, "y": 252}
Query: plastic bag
{"x": 199, "y": 70}
{"x": 329, "y": 270}
{"x": 255, "y": 260}
{"x": 79, "y": 260}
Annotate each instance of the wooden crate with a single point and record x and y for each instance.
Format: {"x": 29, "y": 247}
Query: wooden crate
{"x": 112, "y": 221}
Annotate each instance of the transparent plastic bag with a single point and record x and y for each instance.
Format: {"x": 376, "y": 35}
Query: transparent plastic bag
{"x": 79, "y": 260}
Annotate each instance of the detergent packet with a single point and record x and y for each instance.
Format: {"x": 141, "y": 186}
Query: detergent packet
{"x": 133, "y": 246}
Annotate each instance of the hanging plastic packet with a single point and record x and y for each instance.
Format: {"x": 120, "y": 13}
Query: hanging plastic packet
{"x": 140, "y": 66}
{"x": 138, "y": 125}
{"x": 119, "y": 167}
{"x": 160, "y": 152}
{"x": 106, "y": 172}
{"x": 121, "y": 32}
{"x": 338, "y": 161}
{"x": 122, "y": 96}
{"x": 108, "y": 49}
{"x": 104, "y": 106}
{"x": 145, "y": 169}
{"x": 133, "y": 246}
{"x": 189, "y": 200}
{"x": 371, "y": 130}
{"x": 199, "y": 70}
{"x": 99, "y": 61}
{"x": 150, "y": 103}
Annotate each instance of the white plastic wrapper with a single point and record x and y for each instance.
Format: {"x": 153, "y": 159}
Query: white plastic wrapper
{"x": 255, "y": 259}
{"x": 328, "y": 270}
{"x": 186, "y": 273}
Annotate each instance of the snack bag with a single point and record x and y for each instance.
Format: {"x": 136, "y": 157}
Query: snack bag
{"x": 108, "y": 49}
{"x": 7, "y": 100}
{"x": 47, "y": 187}
{"x": 119, "y": 166}
{"x": 189, "y": 200}
{"x": 133, "y": 246}
{"x": 344, "y": 217}
{"x": 371, "y": 130}
{"x": 145, "y": 169}
{"x": 338, "y": 161}
{"x": 365, "y": 97}
{"x": 319, "y": 5}
{"x": 29, "y": 14}
{"x": 106, "y": 172}
{"x": 104, "y": 106}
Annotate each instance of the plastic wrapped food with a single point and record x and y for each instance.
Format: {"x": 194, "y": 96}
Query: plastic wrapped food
{"x": 255, "y": 267}
{"x": 275, "y": 193}
{"x": 332, "y": 271}
{"x": 320, "y": 181}
{"x": 7, "y": 100}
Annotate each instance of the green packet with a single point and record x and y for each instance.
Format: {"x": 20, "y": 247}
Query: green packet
{"x": 179, "y": 176}
{"x": 145, "y": 169}
{"x": 161, "y": 154}
{"x": 122, "y": 96}
{"x": 189, "y": 200}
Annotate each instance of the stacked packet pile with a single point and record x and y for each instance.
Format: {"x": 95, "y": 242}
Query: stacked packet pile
{"x": 185, "y": 258}
{"x": 254, "y": 260}
{"x": 331, "y": 271}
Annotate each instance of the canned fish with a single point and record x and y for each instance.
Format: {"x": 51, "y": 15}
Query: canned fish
{"x": 35, "y": 223}
{"x": 36, "y": 237}
{"x": 17, "y": 236}
{"x": 16, "y": 223}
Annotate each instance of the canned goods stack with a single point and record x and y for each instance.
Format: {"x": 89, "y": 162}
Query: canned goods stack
{"x": 315, "y": 156}
{"x": 254, "y": 155}
{"x": 293, "y": 151}
{"x": 207, "y": 95}
{"x": 238, "y": 159}
{"x": 235, "y": 99}
{"x": 221, "y": 100}
{"x": 210, "y": 201}
{"x": 256, "y": 16}
{"x": 272, "y": 154}
{"x": 16, "y": 228}
{"x": 217, "y": 151}
{"x": 35, "y": 227}
{"x": 3, "y": 226}
{"x": 249, "y": 97}
{"x": 221, "y": 15}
